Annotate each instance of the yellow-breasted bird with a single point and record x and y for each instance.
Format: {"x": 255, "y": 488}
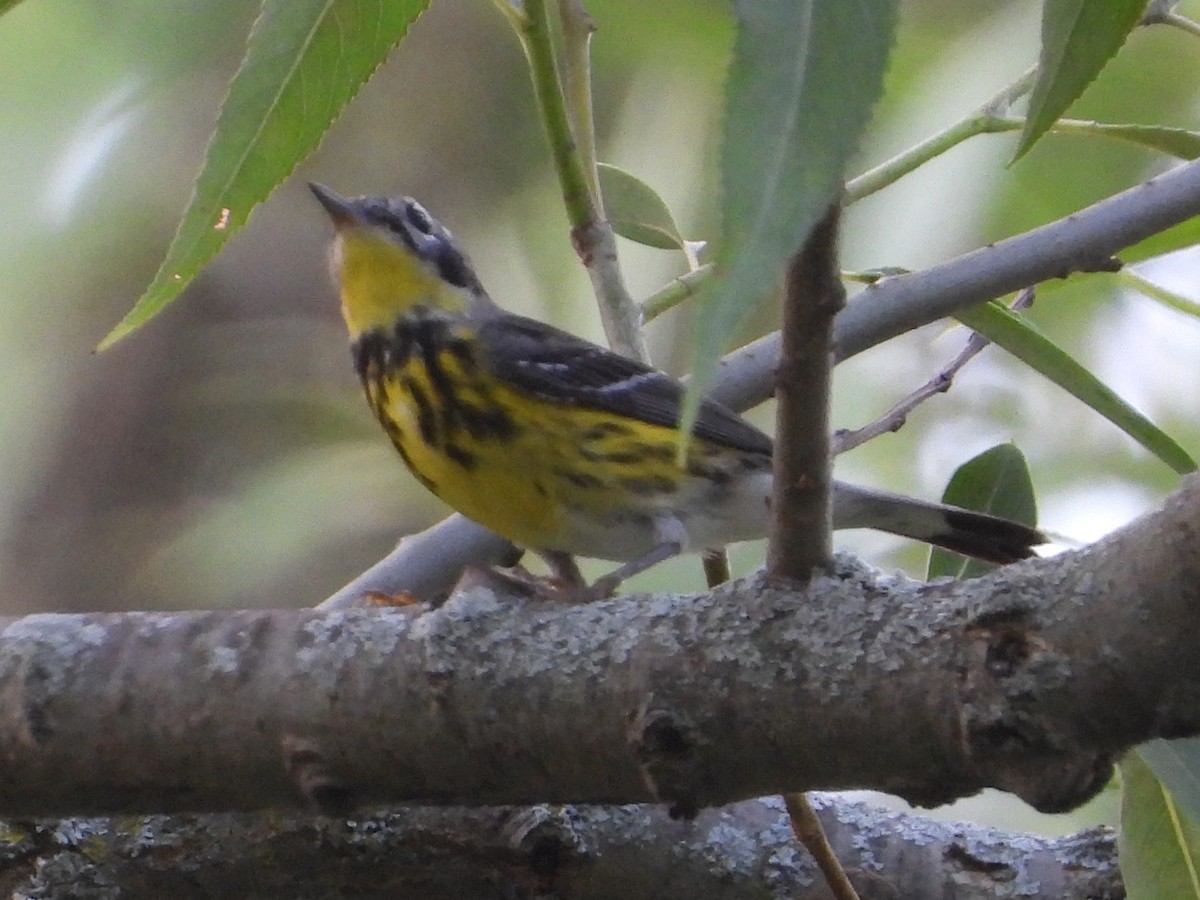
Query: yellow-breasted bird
{"x": 558, "y": 444}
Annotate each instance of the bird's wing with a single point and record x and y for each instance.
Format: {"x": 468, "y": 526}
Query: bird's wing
{"x": 557, "y": 366}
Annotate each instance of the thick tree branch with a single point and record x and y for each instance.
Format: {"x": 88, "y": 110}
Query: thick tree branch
{"x": 1030, "y": 679}
{"x": 572, "y": 853}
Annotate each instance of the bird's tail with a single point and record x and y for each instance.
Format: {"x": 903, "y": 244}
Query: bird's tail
{"x": 975, "y": 534}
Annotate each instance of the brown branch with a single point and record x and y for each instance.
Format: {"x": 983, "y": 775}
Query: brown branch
{"x": 1031, "y": 679}
{"x": 801, "y": 533}
{"x": 801, "y": 524}
{"x": 895, "y": 417}
{"x": 571, "y": 853}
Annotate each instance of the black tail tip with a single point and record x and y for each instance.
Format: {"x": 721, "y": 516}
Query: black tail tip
{"x": 989, "y": 538}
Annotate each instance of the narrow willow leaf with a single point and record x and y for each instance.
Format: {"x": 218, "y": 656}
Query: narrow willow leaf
{"x": 636, "y": 211}
{"x": 304, "y": 61}
{"x": 996, "y": 481}
{"x": 804, "y": 77}
{"x": 1078, "y": 38}
{"x": 1016, "y": 335}
{"x": 1177, "y": 142}
{"x": 1177, "y": 765}
{"x": 1148, "y": 288}
{"x": 1159, "y": 848}
{"x": 1185, "y": 234}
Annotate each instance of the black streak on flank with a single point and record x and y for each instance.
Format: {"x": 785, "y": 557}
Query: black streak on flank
{"x": 580, "y": 479}
{"x": 464, "y": 458}
{"x": 461, "y": 351}
{"x": 426, "y": 419}
{"x": 487, "y": 422}
{"x": 601, "y": 430}
{"x": 368, "y": 353}
{"x": 447, "y": 400}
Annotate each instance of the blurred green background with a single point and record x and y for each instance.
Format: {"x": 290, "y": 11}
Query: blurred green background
{"x": 223, "y": 457}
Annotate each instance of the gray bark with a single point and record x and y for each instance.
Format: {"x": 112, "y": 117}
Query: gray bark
{"x": 572, "y": 853}
{"x": 1030, "y": 680}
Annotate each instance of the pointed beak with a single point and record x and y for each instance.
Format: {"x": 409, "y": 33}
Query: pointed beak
{"x": 343, "y": 212}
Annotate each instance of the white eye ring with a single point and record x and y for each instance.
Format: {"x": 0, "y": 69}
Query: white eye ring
{"x": 419, "y": 218}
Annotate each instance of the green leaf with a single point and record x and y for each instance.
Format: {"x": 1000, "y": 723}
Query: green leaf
{"x": 1159, "y": 848}
{"x": 636, "y": 211}
{"x": 1177, "y": 765}
{"x": 1177, "y": 142}
{"x": 1154, "y": 291}
{"x": 304, "y": 61}
{"x": 1078, "y": 38}
{"x": 804, "y": 77}
{"x": 6, "y": 5}
{"x": 996, "y": 481}
{"x": 1017, "y": 335}
{"x": 1185, "y": 234}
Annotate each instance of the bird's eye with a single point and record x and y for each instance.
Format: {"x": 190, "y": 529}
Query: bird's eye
{"x": 419, "y": 219}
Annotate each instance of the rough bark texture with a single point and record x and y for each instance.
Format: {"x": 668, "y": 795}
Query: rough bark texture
{"x": 573, "y": 853}
{"x": 1030, "y": 680}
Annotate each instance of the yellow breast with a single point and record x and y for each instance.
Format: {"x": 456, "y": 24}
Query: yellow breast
{"x": 542, "y": 476}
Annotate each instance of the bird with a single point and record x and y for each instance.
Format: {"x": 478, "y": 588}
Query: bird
{"x": 560, "y": 445}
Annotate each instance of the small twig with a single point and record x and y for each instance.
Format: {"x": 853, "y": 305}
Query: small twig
{"x": 1183, "y": 23}
{"x": 577, "y": 29}
{"x": 591, "y": 235}
{"x": 801, "y": 527}
{"x": 1162, "y": 12}
{"x": 988, "y": 117}
{"x": 536, "y": 40}
{"x": 716, "y": 567}
{"x": 807, "y": 828}
{"x": 596, "y": 245}
{"x": 675, "y": 292}
{"x": 895, "y": 418}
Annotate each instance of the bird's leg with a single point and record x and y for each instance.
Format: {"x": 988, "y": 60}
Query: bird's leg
{"x": 671, "y": 537}
{"x": 563, "y": 568}
{"x": 606, "y": 585}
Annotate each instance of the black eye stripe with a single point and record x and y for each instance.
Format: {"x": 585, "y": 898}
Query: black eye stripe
{"x": 411, "y": 223}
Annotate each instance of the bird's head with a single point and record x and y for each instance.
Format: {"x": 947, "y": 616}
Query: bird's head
{"x": 389, "y": 255}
